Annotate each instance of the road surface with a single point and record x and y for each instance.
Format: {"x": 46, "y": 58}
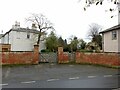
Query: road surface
{"x": 59, "y": 76}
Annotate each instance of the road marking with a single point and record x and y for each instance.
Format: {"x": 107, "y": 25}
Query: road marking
{"x": 4, "y": 84}
{"x": 74, "y": 78}
{"x": 71, "y": 65}
{"x": 29, "y": 82}
{"x": 52, "y": 80}
{"x": 7, "y": 72}
{"x": 107, "y": 75}
{"x": 52, "y": 64}
{"x": 91, "y": 76}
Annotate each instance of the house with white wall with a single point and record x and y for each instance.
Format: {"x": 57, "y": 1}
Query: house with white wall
{"x": 21, "y": 39}
{"x": 111, "y": 39}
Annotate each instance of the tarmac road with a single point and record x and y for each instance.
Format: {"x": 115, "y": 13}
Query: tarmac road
{"x": 59, "y": 76}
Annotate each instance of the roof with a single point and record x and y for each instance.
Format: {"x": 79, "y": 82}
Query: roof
{"x": 22, "y": 30}
{"x": 111, "y": 29}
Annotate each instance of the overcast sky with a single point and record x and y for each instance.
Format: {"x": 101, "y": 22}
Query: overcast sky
{"x": 68, "y": 16}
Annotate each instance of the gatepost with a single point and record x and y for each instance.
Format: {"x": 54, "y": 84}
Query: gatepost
{"x": 60, "y": 54}
{"x": 36, "y": 54}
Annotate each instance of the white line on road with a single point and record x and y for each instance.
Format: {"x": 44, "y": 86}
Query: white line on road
{"x": 74, "y": 78}
{"x": 71, "y": 65}
{"x": 52, "y": 80}
{"x": 107, "y": 75}
{"x": 91, "y": 76}
{"x": 29, "y": 82}
{"x": 4, "y": 84}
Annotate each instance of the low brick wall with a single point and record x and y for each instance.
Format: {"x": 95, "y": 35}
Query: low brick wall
{"x": 63, "y": 57}
{"x": 20, "y": 57}
{"x": 108, "y": 59}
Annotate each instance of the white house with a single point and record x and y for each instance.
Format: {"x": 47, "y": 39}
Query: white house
{"x": 111, "y": 39}
{"x": 21, "y": 39}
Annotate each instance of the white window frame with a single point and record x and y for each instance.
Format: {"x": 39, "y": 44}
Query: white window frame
{"x": 114, "y": 35}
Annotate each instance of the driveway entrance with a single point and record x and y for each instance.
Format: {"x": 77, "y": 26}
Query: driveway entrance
{"x": 48, "y": 57}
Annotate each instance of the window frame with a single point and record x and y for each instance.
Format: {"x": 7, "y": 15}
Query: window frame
{"x": 28, "y": 35}
{"x": 114, "y": 35}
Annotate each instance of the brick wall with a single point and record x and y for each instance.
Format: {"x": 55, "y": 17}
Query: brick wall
{"x": 109, "y": 59}
{"x": 62, "y": 56}
{"x": 20, "y": 57}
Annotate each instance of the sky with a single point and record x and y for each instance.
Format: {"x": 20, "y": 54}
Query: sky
{"x": 67, "y": 16}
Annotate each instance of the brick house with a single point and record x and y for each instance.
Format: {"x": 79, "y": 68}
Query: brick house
{"x": 111, "y": 39}
{"x": 20, "y": 39}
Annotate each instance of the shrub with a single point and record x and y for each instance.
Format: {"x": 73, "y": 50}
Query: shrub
{"x": 45, "y": 50}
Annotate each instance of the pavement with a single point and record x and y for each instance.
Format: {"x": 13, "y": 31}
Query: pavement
{"x": 60, "y": 76}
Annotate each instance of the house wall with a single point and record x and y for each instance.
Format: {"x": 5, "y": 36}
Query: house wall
{"x": 5, "y": 39}
{"x": 20, "y": 42}
{"x": 0, "y": 40}
{"x": 109, "y": 44}
{"x": 119, "y": 41}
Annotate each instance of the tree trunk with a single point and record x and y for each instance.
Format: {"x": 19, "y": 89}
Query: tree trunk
{"x": 39, "y": 36}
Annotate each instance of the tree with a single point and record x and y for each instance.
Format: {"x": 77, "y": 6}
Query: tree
{"x": 82, "y": 44}
{"x": 94, "y": 34}
{"x": 66, "y": 46}
{"x": 52, "y": 42}
{"x": 94, "y": 30}
{"x": 88, "y": 3}
{"x": 40, "y": 22}
{"x": 74, "y": 43}
{"x": 61, "y": 42}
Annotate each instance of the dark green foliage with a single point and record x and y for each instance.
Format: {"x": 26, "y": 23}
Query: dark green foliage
{"x": 45, "y": 51}
{"x": 61, "y": 42}
{"x": 98, "y": 40}
{"x": 96, "y": 37}
{"x": 74, "y": 43}
{"x": 85, "y": 51}
{"x": 82, "y": 44}
{"x": 52, "y": 42}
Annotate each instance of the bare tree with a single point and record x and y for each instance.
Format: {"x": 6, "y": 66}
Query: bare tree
{"x": 94, "y": 34}
{"x": 94, "y": 30}
{"x": 41, "y": 23}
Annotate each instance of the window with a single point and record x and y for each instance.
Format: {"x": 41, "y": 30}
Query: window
{"x": 114, "y": 35}
{"x": 28, "y": 35}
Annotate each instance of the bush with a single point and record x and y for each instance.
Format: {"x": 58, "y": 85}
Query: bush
{"x": 82, "y": 50}
{"x": 45, "y": 50}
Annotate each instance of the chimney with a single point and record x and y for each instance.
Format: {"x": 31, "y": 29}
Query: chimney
{"x": 34, "y": 26}
{"x": 16, "y": 26}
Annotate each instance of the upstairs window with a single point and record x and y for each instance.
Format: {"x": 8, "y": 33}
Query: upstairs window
{"x": 28, "y": 35}
{"x": 114, "y": 35}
